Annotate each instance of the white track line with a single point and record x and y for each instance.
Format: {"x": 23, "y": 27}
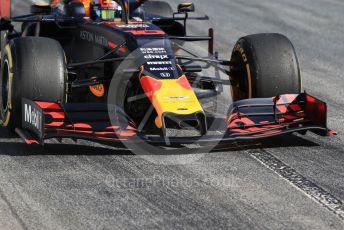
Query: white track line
{"x": 308, "y": 187}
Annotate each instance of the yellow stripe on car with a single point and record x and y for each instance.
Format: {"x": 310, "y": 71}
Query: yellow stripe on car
{"x": 10, "y": 80}
{"x": 249, "y": 80}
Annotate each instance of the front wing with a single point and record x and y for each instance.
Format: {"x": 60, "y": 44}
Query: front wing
{"x": 247, "y": 120}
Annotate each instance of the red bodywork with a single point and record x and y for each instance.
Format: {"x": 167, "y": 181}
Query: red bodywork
{"x": 5, "y": 9}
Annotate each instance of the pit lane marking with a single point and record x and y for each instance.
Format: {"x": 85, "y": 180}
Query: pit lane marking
{"x": 306, "y": 186}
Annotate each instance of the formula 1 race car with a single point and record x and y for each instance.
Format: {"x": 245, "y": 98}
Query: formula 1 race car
{"x": 118, "y": 71}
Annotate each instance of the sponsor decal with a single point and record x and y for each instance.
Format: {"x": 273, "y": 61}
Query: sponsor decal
{"x": 153, "y": 50}
{"x": 94, "y": 38}
{"x": 97, "y": 90}
{"x": 162, "y": 69}
{"x": 32, "y": 116}
{"x": 178, "y": 98}
{"x": 133, "y": 26}
{"x": 241, "y": 51}
{"x": 158, "y": 62}
{"x": 153, "y": 56}
{"x": 166, "y": 74}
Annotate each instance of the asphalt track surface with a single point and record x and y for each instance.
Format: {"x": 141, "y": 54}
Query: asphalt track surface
{"x": 294, "y": 182}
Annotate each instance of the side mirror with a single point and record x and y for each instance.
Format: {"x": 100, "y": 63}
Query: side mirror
{"x": 186, "y": 7}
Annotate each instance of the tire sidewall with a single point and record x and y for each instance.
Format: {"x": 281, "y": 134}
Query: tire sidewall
{"x": 32, "y": 76}
{"x": 246, "y": 65}
{"x": 6, "y": 111}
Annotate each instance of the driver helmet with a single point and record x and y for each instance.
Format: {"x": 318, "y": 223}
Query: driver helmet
{"x": 108, "y": 10}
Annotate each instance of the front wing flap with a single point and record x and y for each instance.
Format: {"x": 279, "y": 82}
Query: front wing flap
{"x": 277, "y": 115}
{"x": 47, "y": 120}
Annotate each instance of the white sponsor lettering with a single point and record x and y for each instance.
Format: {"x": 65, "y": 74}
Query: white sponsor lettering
{"x": 159, "y": 63}
{"x": 33, "y": 116}
{"x": 165, "y": 74}
{"x": 159, "y": 69}
{"x": 162, "y": 69}
{"x": 151, "y": 56}
{"x": 133, "y": 26}
{"x": 153, "y": 50}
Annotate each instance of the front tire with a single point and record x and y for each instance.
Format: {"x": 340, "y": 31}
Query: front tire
{"x": 32, "y": 68}
{"x": 265, "y": 65}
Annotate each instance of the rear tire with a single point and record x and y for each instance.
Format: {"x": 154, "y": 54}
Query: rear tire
{"x": 32, "y": 68}
{"x": 265, "y": 65}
